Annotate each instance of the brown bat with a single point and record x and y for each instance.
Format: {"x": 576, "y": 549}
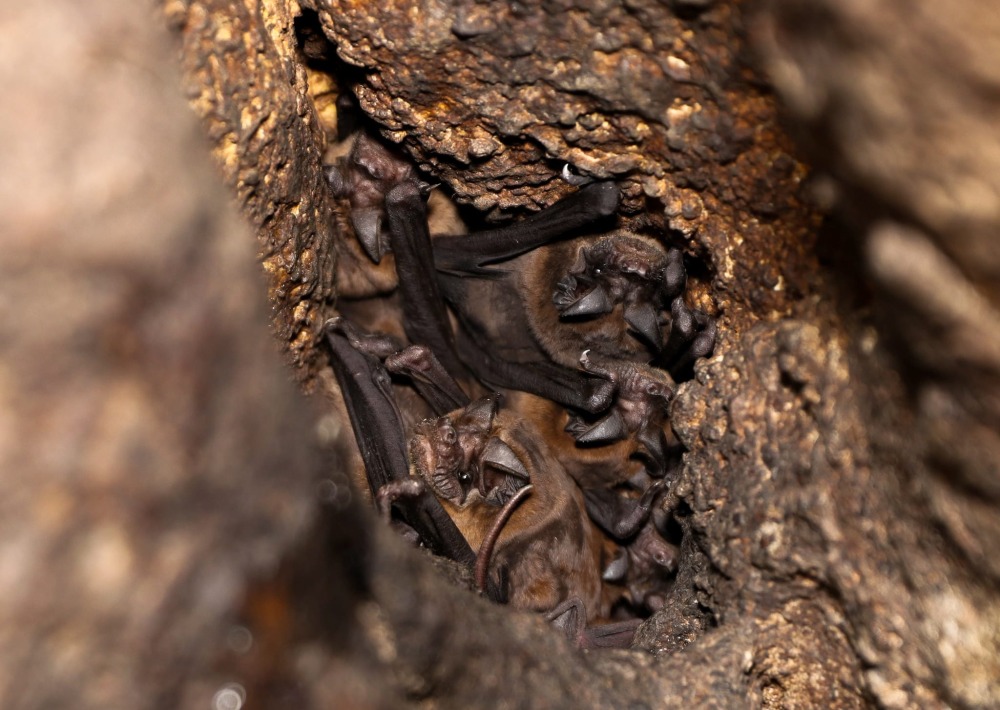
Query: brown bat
{"x": 474, "y": 464}
{"x": 528, "y": 306}
{"x": 475, "y": 460}
{"x": 619, "y": 296}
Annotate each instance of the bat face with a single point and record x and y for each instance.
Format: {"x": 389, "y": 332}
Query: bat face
{"x": 475, "y": 459}
{"x": 652, "y": 562}
{"x": 464, "y": 460}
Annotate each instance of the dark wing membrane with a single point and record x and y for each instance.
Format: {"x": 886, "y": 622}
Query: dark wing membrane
{"x": 379, "y": 433}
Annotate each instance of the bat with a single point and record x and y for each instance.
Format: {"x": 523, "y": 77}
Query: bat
{"x": 494, "y": 478}
{"x": 380, "y": 438}
{"x": 365, "y": 177}
{"x": 591, "y": 327}
{"x": 619, "y": 296}
{"x": 389, "y": 214}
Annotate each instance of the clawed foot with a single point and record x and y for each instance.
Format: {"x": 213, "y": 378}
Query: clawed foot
{"x": 395, "y": 491}
{"x": 634, "y": 279}
{"x": 623, "y": 273}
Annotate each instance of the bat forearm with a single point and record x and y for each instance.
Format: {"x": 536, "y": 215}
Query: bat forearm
{"x": 471, "y": 253}
{"x": 425, "y": 318}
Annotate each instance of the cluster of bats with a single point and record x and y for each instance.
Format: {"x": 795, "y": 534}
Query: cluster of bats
{"x": 512, "y": 411}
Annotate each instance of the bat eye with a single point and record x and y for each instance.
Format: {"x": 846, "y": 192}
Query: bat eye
{"x": 465, "y": 477}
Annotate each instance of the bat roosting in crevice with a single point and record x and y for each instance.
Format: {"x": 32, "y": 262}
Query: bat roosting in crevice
{"x": 474, "y": 462}
{"x": 619, "y": 296}
{"x": 558, "y": 490}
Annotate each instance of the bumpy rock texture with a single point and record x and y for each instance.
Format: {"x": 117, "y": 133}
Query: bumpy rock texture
{"x": 840, "y": 491}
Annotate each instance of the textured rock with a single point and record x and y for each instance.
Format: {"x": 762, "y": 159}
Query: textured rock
{"x": 163, "y": 536}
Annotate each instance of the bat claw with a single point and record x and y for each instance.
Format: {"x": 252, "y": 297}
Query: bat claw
{"x": 608, "y": 430}
{"x": 571, "y": 178}
{"x": 595, "y": 302}
{"x": 643, "y": 320}
{"x": 499, "y": 454}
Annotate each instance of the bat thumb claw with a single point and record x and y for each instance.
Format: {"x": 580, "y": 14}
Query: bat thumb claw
{"x": 368, "y": 228}
{"x": 593, "y": 303}
{"x": 572, "y": 178}
{"x": 609, "y": 429}
{"x": 642, "y": 319}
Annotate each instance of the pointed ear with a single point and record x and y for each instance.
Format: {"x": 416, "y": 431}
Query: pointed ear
{"x": 617, "y": 568}
{"x": 674, "y": 275}
{"x": 481, "y": 412}
{"x": 606, "y": 431}
{"x": 336, "y": 180}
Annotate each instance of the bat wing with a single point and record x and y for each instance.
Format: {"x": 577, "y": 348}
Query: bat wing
{"x": 471, "y": 254}
{"x": 379, "y": 433}
{"x": 425, "y": 318}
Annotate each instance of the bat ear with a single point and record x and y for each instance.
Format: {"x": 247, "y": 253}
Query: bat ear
{"x": 674, "y": 275}
{"x": 498, "y": 586}
{"x": 570, "y": 618}
{"x": 368, "y": 228}
{"x": 369, "y": 155}
{"x": 336, "y": 180}
{"x": 654, "y": 443}
{"x": 482, "y": 411}
{"x": 617, "y": 568}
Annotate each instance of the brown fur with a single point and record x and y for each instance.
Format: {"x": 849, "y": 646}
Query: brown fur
{"x": 590, "y": 467}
